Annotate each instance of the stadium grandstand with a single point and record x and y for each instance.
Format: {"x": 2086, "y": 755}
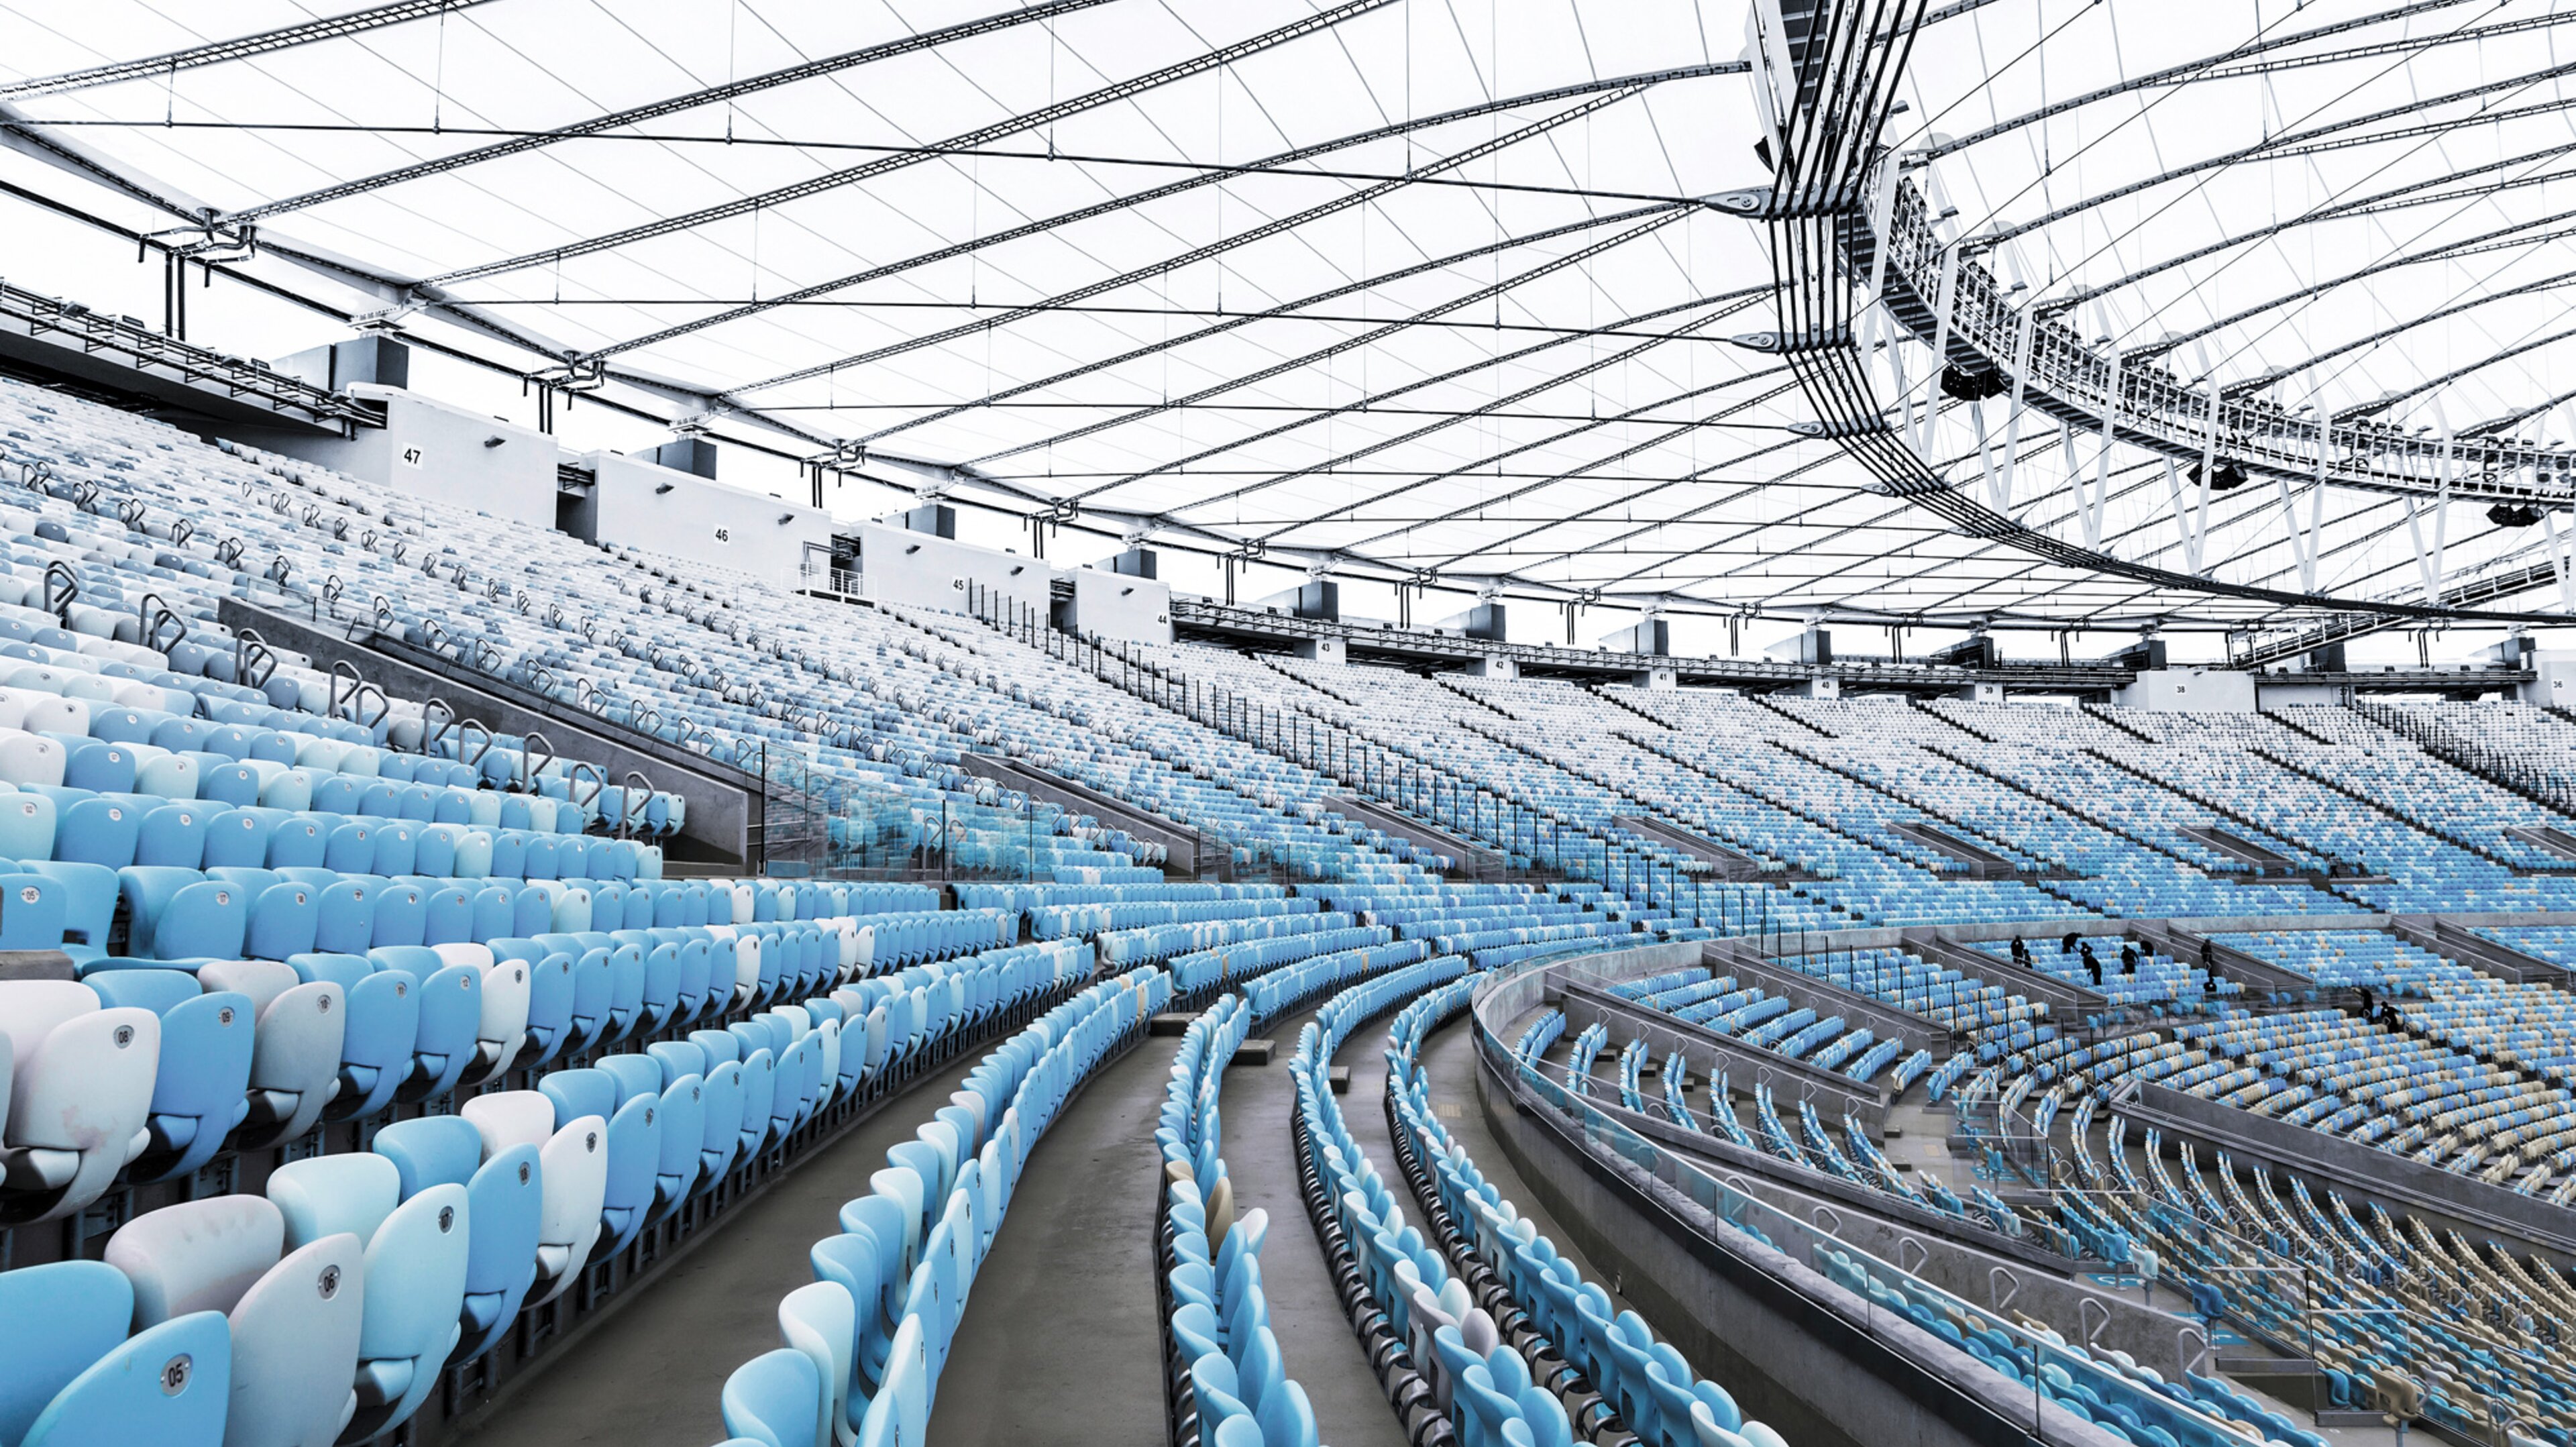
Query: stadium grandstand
{"x": 1790, "y": 723}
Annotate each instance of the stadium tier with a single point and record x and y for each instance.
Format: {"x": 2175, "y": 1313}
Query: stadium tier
{"x": 357, "y": 1056}
{"x": 1265, "y": 723}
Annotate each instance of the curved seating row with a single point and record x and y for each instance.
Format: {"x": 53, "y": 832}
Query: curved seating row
{"x": 1549, "y": 1336}
{"x": 331, "y": 1303}
{"x": 864, "y": 1345}
{"x": 1224, "y": 1378}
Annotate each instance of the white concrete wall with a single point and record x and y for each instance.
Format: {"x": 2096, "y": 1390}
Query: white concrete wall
{"x": 2288, "y": 695}
{"x": 706, "y": 522}
{"x": 925, "y": 570}
{"x": 2555, "y": 681}
{"x": 2190, "y": 690}
{"x": 1116, "y": 605}
{"x": 432, "y": 450}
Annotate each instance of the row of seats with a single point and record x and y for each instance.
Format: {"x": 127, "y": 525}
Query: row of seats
{"x": 865, "y": 1344}
{"x": 1559, "y": 1320}
{"x": 332, "y": 1302}
{"x": 1223, "y": 1371}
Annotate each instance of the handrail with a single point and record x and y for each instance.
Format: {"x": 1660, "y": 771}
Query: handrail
{"x": 474, "y": 759}
{"x": 343, "y": 671}
{"x": 433, "y": 735}
{"x": 629, "y": 817}
{"x": 572, "y": 776}
{"x": 530, "y": 768}
{"x": 62, "y": 589}
{"x": 156, "y": 617}
{"x": 254, "y": 662}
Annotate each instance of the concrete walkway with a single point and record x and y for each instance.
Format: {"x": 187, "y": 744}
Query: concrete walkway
{"x": 1315, "y": 1339}
{"x": 653, "y": 1374}
{"x": 1059, "y": 1342}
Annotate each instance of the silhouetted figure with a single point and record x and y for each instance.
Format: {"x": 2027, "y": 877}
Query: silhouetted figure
{"x": 2066, "y": 946}
{"x": 2128, "y": 959}
{"x": 2365, "y": 1002}
{"x": 2209, "y": 957}
{"x": 2093, "y": 966}
{"x": 2021, "y": 952}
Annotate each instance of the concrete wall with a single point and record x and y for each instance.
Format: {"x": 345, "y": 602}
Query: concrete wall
{"x": 432, "y": 450}
{"x": 924, "y": 570}
{"x": 1324, "y": 650}
{"x": 2289, "y": 695}
{"x": 1117, "y": 605}
{"x": 1796, "y": 1350}
{"x": 2554, "y": 680}
{"x": 724, "y": 804}
{"x": 705, "y": 521}
{"x": 2190, "y": 690}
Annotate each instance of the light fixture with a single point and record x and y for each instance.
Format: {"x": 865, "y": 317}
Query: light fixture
{"x": 495, "y": 440}
{"x": 660, "y": 488}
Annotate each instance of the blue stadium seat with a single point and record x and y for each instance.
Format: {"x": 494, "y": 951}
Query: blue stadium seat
{"x": 506, "y": 1202}
{"x": 416, "y": 1253}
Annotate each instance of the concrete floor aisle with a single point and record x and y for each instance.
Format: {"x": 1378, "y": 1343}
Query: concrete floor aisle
{"x": 1059, "y": 1341}
{"x": 653, "y": 1374}
{"x": 1315, "y": 1339}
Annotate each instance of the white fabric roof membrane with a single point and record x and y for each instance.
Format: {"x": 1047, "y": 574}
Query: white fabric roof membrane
{"x": 1425, "y": 287}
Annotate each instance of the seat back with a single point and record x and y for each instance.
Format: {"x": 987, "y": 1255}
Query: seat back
{"x": 197, "y": 1255}
{"x": 168, "y": 1384}
{"x": 55, "y": 1320}
{"x": 329, "y": 1194}
{"x": 776, "y": 1399}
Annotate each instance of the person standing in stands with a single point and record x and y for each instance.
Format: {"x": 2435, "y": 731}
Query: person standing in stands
{"x": 2365, "y": 1002}
{"x": 2093, "y": 966}
{"x": 2209, "y": 957}
{"x": 2066, "y": 946}
{"x": 2128, "y": 958}
{"x": 2021, "y": 952}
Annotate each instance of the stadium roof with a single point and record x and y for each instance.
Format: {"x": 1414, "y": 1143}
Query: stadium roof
{"x": 1635, "y": 299}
